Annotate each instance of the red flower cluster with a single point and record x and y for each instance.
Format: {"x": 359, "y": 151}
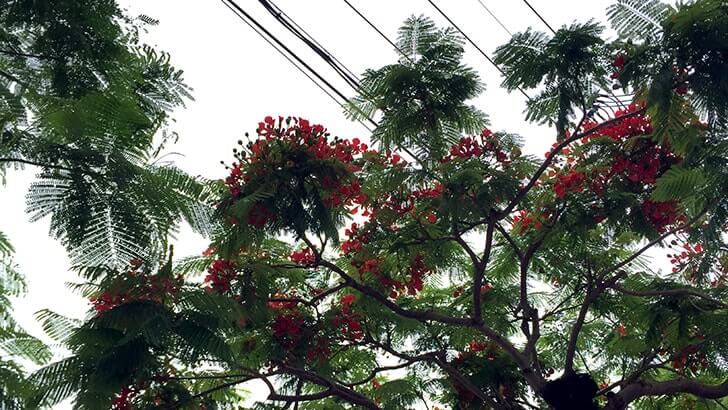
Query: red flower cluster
{"x": 122, "y": 401}
{"x": 357, "y": 239}
{"x": 107, "y": 301}
{"x": 303, "y": 257}
{"x": 220, "y": 274}
{"x": 136, "y": 286}
{"x": 469, "y": 147}
{"x": 291, "y": 143}
{"x": 623, "y": 129}
{"x": 689, "y": 358}
{"x": 573, "y": 181}
{"x": 349, "y": 322}
{"x": 660, "y": 214}
{"x": 489, "y": 349}
{"x": 682, "y": 259}
{"x": 287, "y": 328}
{"x": 417, "y": 270}
{"x": 619, "y": 63}
{"x": 259, "y": 215}
{"x": 371, "y": 266}
{"x": 429, "y": 193}
{"x": 319, "y": 349}
{"x": 339, "y": 194}
{"x": 522, "y": 222}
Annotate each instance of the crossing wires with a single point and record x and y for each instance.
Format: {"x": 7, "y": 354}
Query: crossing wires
{"x": 487, "y": 57}
{"x": 291, "y": 56}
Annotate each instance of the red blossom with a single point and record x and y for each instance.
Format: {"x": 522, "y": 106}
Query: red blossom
{"x": 660, "y": 214}
{"x": 220, "y": 274}
{"x": 303, "y": 257}
{"x": 573, "y": 181}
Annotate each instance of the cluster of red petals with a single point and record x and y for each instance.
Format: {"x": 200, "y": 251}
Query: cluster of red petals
{"x": 260, "y": 215}
{"x": 417, "y": 271}
{"x": 661, "y": 215}
{"x": 348, "y": 194}
{"x": 645, "y": 170}
{"x": 429, "y": 193}
{"x": 522, "y": 221}
{"x": 152, "y": 288}
{"x": 299, "y": 135}
{"x": 573, "y": 181}
{"x": 403, "y": 204}
{"x": 107, "y": 301}
{"x": 123, "y": 400}
{"x": 357, "y": 238}
{"x": 689, "y": 358}
{"x": 287, "y": 327}
{"x": 619, "y": 63}
{"x": 489, "y": 349}
{"x": 220, "y": 274}
{"x": 319, "y": 349}
{"x": 348, "y": 322}
{"x": 682, "y": 259}
{"x": 371, "y": 266}
{"x": 623, "y": 129}
{"x": 303, "y": 257}
{"x": 469, "y": 147}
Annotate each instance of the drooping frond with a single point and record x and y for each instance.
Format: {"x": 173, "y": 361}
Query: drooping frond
{"x": 641, "y": 19}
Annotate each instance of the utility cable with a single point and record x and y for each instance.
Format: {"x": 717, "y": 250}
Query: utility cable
{"x": 287, "y": 22}
{"x": 539, "y": 16}
{"x": 490, "y": 60}
{"x": 495, "y": 18}
{"x": 384, "y": 36}
{"x": 259, "y": 29}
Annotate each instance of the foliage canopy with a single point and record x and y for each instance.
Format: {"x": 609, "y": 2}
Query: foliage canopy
{"x": 443, "y": 268}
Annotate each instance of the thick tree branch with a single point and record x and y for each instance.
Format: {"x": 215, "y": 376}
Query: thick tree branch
{"x": 480, "y": 272}
{"x": 669, "y": 292}
{"x": 28, "y": 55}
{"x": 642, "y": 388}
{"x": 462, "y": 380}
{"x": 333, "y": 388}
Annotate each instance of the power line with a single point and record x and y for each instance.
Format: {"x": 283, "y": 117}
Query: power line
{"x": 384, "y": 36}
{"x": 539, "y": 16}
{"x": 495, "y": 18}
{"x": 314, "y": 40}
{"x": 287, "y": 22}
{"x": 490, "y": 60}
{"x": 259, "y": 29}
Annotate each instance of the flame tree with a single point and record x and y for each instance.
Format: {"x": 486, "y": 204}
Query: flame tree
{"x": 442, "y": 267}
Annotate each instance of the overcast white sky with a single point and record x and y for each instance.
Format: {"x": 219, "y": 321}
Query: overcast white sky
{"x": 238, "y": 79}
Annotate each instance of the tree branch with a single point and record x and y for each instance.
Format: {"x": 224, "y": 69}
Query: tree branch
{"x": 669, "y": 292}
{"x": 532, "y": 182}
{"x": 642, "y": 388}
{"x": 480, "y": 272}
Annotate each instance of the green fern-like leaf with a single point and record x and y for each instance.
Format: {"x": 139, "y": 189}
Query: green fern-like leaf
{"x": 638, "y": 18}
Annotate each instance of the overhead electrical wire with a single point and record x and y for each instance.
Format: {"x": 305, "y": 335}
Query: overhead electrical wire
{"x": 495, "y": 18}
{"x": 539, "y": 16}
{"x": 490, "y": 60}
{"x": 279, "y": 46}
{"x": 384, "y": 36}
{"x": 347, "y": 75}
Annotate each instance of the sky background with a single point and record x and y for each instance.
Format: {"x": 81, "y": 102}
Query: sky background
{"x": 238, "y": 79}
